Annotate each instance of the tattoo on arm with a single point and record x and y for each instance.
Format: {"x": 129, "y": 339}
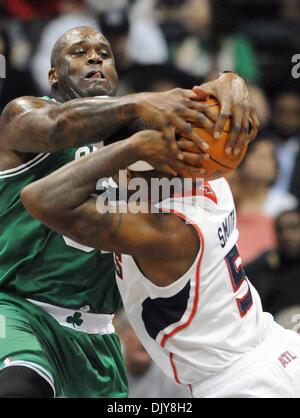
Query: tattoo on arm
{"x": 87, "y": 120}
{"x": 32, "y": 124}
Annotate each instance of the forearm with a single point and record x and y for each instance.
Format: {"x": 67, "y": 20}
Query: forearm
{"x": 32, "y": 125}
{"x": 82, "y": 121}
{"x": 66, "y": 189}
{"x": 136, "y": 178}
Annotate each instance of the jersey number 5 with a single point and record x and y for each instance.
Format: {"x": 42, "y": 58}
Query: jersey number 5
{"x": 237, "y": 278}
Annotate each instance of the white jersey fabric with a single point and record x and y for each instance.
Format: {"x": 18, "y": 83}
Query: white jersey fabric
{"x": 211, "y": 317}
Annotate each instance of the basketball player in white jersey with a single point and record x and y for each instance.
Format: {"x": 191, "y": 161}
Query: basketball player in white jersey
{"x": 179, "y": 274}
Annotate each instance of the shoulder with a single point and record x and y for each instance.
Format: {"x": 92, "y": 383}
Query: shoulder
{"x": 22, "y": 105}
{"x": 175, "y": 230}
{"x": 18, "y": 118}
{"x": 161, "y": 234}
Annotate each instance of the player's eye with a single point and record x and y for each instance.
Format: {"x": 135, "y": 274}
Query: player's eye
{"x": 81, "y": 52}
{"x": 104, "y": 54}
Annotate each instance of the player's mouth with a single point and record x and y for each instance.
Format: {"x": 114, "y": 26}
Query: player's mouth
{"x": 94, "y": 75}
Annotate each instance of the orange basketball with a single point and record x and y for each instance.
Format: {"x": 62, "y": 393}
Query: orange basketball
{"x": 219, "y": 163}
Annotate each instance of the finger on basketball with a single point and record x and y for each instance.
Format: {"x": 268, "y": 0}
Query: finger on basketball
{"x": 236, "y": 125}
{"x": 190, "y": 152}
{"x": 169, "y": 135}
{"x": 222, "y": 118}
{"x": 200, "y": 92}
{"x": 243, "y": 138}
{"x": 195, "y": 159}
{"x": 254, "y": 125}
{"x": 206, "y": 110}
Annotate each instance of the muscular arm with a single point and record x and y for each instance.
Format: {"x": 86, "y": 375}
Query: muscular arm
{"x": 32, "y": 125}
{"x": 63, "y": 202}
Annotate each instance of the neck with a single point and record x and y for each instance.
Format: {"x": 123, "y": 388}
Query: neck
{"x": 64, "y": 96}
{"x": 58, "y": 97}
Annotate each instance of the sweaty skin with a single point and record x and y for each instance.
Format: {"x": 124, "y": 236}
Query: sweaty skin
{"x": 83, "y": 67}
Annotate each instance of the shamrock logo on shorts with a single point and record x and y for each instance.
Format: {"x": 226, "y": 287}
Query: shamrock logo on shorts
{"x": 75, "y": 319}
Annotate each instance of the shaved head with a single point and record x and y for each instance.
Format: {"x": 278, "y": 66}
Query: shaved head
{"x": 58, "y": 46}
{"x": 67, "y": 39}
{"x": 82, "y": 65}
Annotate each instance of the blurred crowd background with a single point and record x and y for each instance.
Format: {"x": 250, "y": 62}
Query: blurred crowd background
{"x": 161, "y": 44}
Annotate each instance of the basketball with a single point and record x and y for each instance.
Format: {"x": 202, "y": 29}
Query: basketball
{"x": 219, "y": 163}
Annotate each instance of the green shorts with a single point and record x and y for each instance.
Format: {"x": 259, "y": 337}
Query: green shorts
{"x": 76, "y": 364}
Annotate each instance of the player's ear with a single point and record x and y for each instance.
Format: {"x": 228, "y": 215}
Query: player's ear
{"x": 52, "y": 77}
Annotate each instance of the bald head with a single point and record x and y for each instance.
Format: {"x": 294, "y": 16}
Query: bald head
{"x": 68, "y": 38}
{"x": 82, "y": 65}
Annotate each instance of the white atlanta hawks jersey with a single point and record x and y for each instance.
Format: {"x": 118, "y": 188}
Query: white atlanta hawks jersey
{"x": 210, "y": 317}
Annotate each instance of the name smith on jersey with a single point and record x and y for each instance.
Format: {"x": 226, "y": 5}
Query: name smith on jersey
{"x": 226, "y": 228}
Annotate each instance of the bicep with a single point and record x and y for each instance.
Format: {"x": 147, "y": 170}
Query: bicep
{"x": 25, "y": 125}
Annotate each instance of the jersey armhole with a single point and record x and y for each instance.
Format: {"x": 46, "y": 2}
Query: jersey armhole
{"x": 12, "y": 172}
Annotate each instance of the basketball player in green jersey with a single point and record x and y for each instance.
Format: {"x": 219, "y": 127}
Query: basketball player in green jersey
{"x": 57, "y": 298}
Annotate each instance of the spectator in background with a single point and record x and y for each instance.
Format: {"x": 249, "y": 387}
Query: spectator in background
{"x": 17, "y": 82}
{"x": 289, "y": 11}
{"x": 104, "y": 6}
{"x": 289, "y": 318}
{"x": 261, "y": 103}
{"x": 285, "y": 129}
{"x": 160, "y": 77}
{"x": 256, "y": 202}
{"x": 135, "y": 76}
{"x": 145, "y": 379}
{"x": 274, "y": 31}
{"x": 206, "y": 50}
{"x": 31, "y": 9}
{"x": 115, "y": 27}
{"x": 72, "y": 13}
{"x": 28, "y": 17}
{"x": 146, "y": 44}
{"x": 276, "y": 272}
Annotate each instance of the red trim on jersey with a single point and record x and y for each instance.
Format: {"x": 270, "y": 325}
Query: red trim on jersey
{"x": 208, "y": 192}
{"x": 240, "y": 300}
{"x": 179, "y": 328}
{"x": 174, "y": 368}
{"x": 203, "y": 189}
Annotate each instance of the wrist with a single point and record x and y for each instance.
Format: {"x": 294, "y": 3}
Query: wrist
{"x": 228, "y": 75}
{"x": 140, "y": 103}
{"x": 128, "y": 109}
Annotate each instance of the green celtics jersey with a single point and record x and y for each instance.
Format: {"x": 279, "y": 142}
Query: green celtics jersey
{"x": 38, "y": 263}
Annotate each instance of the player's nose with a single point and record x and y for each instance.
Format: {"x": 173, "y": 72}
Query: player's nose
{"x": 94, "y": 57}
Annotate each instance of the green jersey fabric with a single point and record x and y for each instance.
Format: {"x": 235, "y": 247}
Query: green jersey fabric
{"x": 40, "y": 264}
{"x": 74, "y": 363}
